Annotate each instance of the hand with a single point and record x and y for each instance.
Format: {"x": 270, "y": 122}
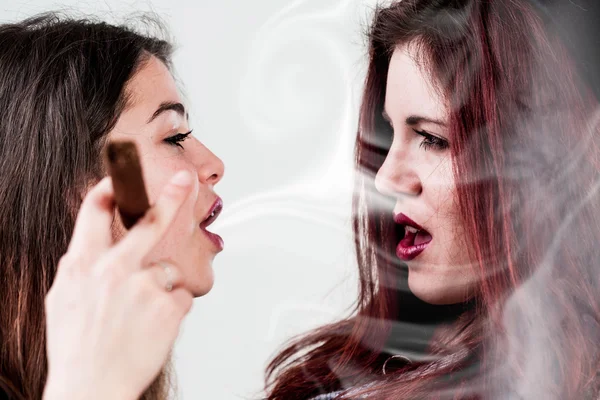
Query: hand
{"x": 111, "y": 322}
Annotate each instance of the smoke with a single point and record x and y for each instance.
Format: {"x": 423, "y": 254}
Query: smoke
{"x": 302, "y": 86}
{"x": 300, "y": 95}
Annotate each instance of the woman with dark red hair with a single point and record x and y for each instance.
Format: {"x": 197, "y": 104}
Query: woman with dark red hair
{"x": 477, "y": 192}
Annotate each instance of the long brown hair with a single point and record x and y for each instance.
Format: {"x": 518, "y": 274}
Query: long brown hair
{"x": 524, "y": 143}
{"x": 62, "y": 89}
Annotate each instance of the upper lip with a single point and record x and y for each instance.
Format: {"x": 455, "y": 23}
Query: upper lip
{"x": 213, "y": 213}
{"x": 404, "y": 220}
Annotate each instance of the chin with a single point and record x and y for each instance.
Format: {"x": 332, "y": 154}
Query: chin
{"x": 435, "y": 292}
{"x": 202, "y": 283}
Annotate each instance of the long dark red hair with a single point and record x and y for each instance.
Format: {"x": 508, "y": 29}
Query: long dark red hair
{"x": 524, "y": 142}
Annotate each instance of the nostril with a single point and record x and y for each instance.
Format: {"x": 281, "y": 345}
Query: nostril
{"x": 213, "y": 178}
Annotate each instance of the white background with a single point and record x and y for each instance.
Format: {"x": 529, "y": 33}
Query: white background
{"x": 274, "y": 88}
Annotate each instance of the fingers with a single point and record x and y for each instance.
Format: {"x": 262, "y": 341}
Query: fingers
{"x": 144, "y": 236}
{"x": 166, "y": 275}
{"x": 183, "y": 299}
{"x": 169, "y": 278}
{"x": 168, "y": 311}
{"x": 163, "y": 281}
{"x": 92, "y": 232}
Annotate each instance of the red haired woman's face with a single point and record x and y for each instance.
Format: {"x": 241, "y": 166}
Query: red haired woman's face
{"x": 417, "y": 172}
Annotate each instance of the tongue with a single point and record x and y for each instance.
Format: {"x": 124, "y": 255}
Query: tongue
{"x": 408, "y": 240}
{"x": 422, "y": 237}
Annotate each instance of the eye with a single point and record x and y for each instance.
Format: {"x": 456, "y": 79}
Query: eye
{"x": 432, "y": 142}
{"x": 176, "y": 139}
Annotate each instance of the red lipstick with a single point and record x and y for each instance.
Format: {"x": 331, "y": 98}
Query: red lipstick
{"x": 211, "y": 216}
{"x": 415, "y": 240}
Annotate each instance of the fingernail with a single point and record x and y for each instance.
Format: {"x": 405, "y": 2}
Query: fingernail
{"x": 182, "y": 178}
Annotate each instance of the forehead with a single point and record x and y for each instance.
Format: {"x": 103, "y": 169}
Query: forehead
{"x": 409, "y": 88}
{"x": 151, "y": 85}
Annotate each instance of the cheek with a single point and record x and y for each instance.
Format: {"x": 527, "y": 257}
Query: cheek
{"x": 158, "y": 171}
{"x": 443, "y": 189}
{"x": 184, "y": 229}
{"x": 156, "y": 176}
{"x": 178, "y": 245}
{"x": 447, "y": 218}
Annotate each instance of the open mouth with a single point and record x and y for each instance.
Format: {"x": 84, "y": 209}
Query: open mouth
{"x": 413, "y": 238}
{"x": 211, "y": 217}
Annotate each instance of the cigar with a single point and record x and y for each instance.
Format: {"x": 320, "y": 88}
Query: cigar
{"x": 128, "y": 182}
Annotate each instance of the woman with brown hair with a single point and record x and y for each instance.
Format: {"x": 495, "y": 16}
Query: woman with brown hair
{"x": 106, "y": 328}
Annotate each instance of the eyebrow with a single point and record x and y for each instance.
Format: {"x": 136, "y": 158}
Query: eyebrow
{"x": 169, "y": 106}
{"x": 416, "y": 119}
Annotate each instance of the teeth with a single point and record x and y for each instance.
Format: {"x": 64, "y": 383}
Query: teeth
{"x": 411, "y": 229}
{"x": 212, "y": 214}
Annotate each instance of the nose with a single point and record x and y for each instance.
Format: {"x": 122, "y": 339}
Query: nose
{"x": 210, "y": 167}
{"x": 397, "y": 177}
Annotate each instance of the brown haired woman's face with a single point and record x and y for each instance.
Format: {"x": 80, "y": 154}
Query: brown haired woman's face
{"x": 417, "y": 172}
{"x": 157, "y": 122}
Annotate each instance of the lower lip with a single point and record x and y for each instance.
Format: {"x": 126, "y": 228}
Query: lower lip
{"x": 409, "y": 252}
{"x": 216, "y": 239}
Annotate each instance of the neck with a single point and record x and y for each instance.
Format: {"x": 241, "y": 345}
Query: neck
{"x": 416, "y": 322}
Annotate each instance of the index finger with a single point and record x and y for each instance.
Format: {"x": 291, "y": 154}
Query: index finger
{"x": 92, "y": 232}
{"x": 146, "y": 234}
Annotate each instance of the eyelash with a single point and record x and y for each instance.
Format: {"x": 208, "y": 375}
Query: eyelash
{"x": 176, "y": 140}
{"x": 432, "y": 142}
